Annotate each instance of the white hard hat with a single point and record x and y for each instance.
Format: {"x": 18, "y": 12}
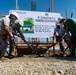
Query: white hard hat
{"x": 57, "y": 23}
{"x": 15, "y": 14}
{"x": 59, "y": 19}
{"x": 20, "y": 22}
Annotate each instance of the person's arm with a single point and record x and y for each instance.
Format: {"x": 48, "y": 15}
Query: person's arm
{"x": 6, "y": 28}
{"x": 55, "y": 32}
{"x": 21, "y": 34}
{"x": 19, "y": 31}
{"x": 63, "y": 32}
{"x": 67, "y": 31}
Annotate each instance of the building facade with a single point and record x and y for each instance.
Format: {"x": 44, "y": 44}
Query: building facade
{"x": 33, "y": 5}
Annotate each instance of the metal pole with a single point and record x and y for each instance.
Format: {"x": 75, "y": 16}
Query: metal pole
{"x": 71, "y": 15}
{"x": 17, "y": 7}
{"x": 66, "y": 11}
{"x": 52, "y": 3}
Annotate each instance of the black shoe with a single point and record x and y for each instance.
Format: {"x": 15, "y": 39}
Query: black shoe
{"x": 11, "y": 56}
{"x": 71, "y": 55}
{"x": 61, "y": 55}
{"x": 55, "y": 55}
{"x": 58, "y": 55}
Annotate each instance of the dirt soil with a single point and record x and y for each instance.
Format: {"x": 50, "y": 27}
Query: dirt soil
{"x": 29, "y": 65}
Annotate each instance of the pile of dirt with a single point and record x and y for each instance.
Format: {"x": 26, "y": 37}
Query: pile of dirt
{"x": 29, "y": 65}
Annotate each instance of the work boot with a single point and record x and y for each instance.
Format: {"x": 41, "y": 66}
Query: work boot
{"x": 71, "y": 55}
{"x": 11, "y": 56}
{"x": 61, "y": 54}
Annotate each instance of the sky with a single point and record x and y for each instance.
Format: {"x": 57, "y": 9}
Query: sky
{"x": 60, "y": 6}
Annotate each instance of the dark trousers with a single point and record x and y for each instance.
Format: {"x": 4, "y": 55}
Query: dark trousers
{"x": 71, "y": 47}
{"x": 3, "y": 46}
{"x": 11, "y": 46}
{"x": 66, "y": 41}
{"x": 58, "y": 39}
{"x": 73, "y": 44}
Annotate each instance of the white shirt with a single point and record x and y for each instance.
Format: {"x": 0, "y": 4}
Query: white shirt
{"x": 59, "y": 31}
{"x": 4, "y": 22}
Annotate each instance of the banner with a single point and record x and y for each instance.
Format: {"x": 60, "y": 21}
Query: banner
{"x": 38, "y": 24}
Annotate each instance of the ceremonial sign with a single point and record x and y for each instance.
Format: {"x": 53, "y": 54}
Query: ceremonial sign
{"x": 37, "y": 24}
